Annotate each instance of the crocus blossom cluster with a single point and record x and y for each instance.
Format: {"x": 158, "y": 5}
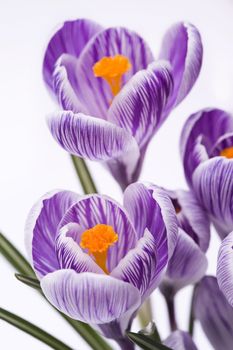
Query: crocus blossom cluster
{"x": 98, "y": 261}
{"x": 114, "y": 94}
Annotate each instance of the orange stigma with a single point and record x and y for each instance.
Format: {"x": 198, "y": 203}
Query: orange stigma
{"x": 227, "y": 152}
{"x": 97, "y": 240}
{"x": 111, "y": 69}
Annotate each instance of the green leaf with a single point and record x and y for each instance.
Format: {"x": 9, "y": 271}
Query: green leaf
{"x": 30, "y": 281}
{"x": 14, "y": 257}
{"x": 146, "y": 342}
{"x": 151, "y": 332}
{"x": 33, "y": 330}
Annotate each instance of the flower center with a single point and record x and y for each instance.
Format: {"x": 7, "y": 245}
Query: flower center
{"x": 112, "y": 69}
{"x": 227, "y": 152}
{"x": 97, "y": 240}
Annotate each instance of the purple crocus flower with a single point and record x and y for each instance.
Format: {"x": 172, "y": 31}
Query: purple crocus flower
{"x": 207, "y": 152}
{"x": 113, "y": 92}
{"x": 98, "y": 261}
{"x": 214, "y": 313}
{"x": 180, "y": 340}
{"x": 188, "y": 263}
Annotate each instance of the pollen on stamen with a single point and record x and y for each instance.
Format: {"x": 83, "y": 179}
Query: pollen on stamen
{"x": 97, "y": 240}
{"x": 227, "y": 152}
{"x": 112, "y": 69}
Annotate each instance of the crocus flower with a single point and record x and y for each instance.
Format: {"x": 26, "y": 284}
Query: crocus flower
{"x": 113, "y": 92}
{"x": 188, "y": 263}
{"x": 207, "y": 152}
{"x": 214, "y": 313}
{"x": 98, "y": 261}
{"x": 180, "y": 340}
{"x": 224, "y": 268}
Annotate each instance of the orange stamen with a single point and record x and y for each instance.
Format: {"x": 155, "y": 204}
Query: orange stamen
{"x": 97, "y": 240}
{"x": 112, "y": 69}
{"x": 227, "y": 152}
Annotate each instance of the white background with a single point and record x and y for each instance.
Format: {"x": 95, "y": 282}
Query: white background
{"x": 31, "y": 163}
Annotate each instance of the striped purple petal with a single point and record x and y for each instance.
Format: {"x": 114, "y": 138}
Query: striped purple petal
{"x": 139, "y": 266}
{"x": 191, "y": 217}
{"x": 182, "y": 47}
{"x": 213, "y": 186}
{"x": 215, "y": 314}
{"x": 90, "y": 137}
{"x": 225, "y": 268}
{"x": 71, "y": 38}
{"x": 150, "y": 207}
{"x": 89, "y": 297}
{"x": 155, "y": 222}
{"x": 69, "y": 253}
{"x": 94, "y": 209}
{"x": 109, "y": 42}
{"x": 180, "y": 340}
{"x": 139, "y": 105}
{"x": 187, "y": 265}
{"x": 201, "y": 134}
{"x": 41, "y": 229}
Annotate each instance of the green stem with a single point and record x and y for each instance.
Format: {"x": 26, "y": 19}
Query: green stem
{"x": 17, "y": 260}
{"x": 145, "y": 313}
{"x": 84, "y": 175}
{"x": 14, "y": 257}
{"x": 33, "y": 330}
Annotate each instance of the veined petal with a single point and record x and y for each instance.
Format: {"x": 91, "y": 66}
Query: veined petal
{"x": 182, "y": 47}
{"x": 71, "y": 38}
{"x": 200, "y": 133}
{"x": 139, "y": 266}
{"x": 95, "y": 209}
{"x": 41, "y": 229}
{"x": 192, "y": 218}
{"x": 109, "y": 42}
{"x": 188, "y": 263}
{"x": 225, "y": 268}
{"x": 64, "y": 84}
{"x": 89, "y": 297}
{"x": 180, "y": 340}
{"x": 151, "y": 210}
{"x": 90, "y": 137}
{"x": 215, "y": 314}
{"x": 70, "y": 255}
{"x": 213, "y": 186}
{"x": 139, "y": 105}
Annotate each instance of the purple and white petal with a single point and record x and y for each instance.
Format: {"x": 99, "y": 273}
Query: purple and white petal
{"x": 95, "y": 209}
{"x": 109, "y": 42}
{"x": 90, "y": 137}
{"x": 182, "y": 47}
{"x": 225, "y": 268}
{"x": 200, "y": 133}
{"x": 191, "y": 217}
{"x": 64, "y": 84}
{"x": 41, "y": 229}
{"x": 69, "y": 253}
{"x": 71, "y": 38}
{"x": 180, "y": 340}
{"x": 139, "y": 105}
{"x": 139, "y": 266}
{"x": 187, "y": 265}
{"x": 89, "y": 297}
{"x": 213, "y": 186}
{"x": 215, "y": 314}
